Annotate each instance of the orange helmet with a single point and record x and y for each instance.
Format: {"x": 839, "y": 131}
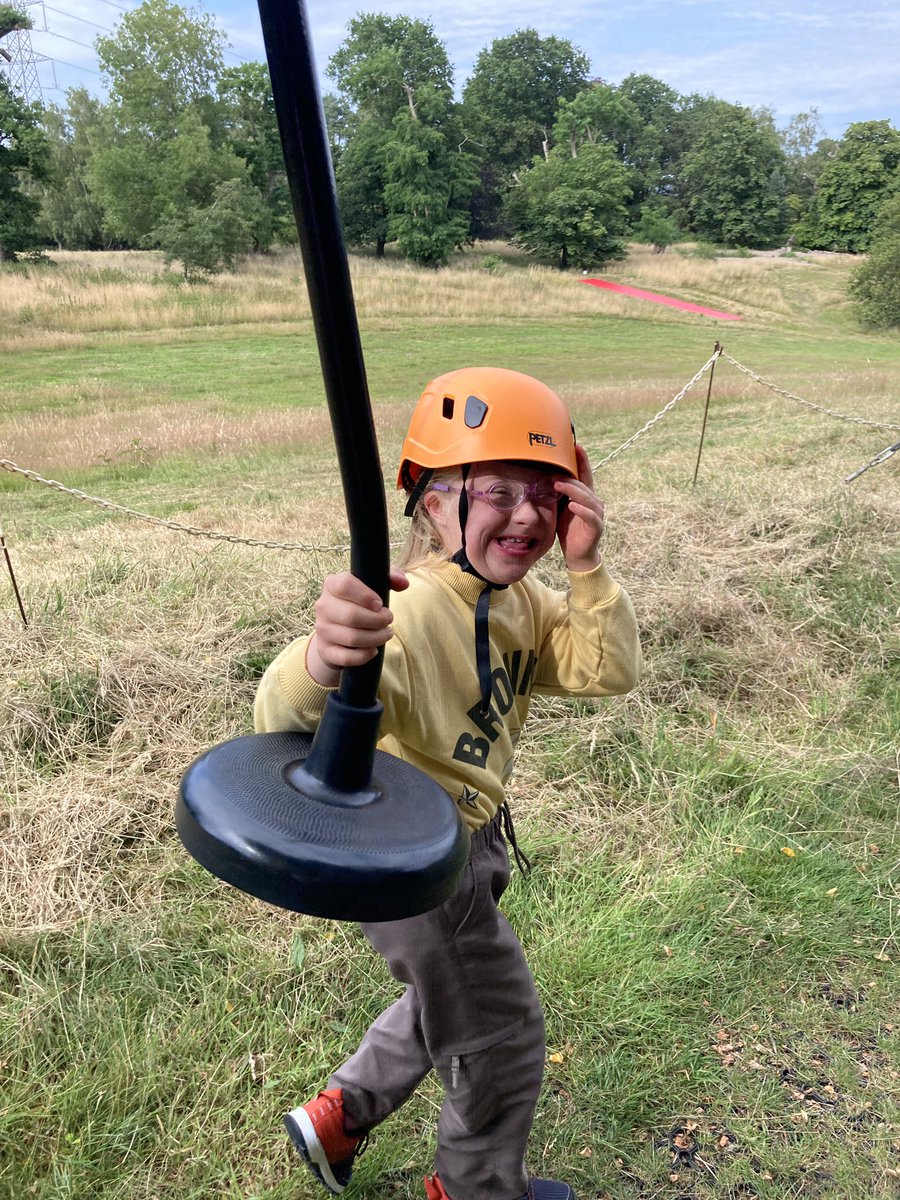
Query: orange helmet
{"x": 480, "y": 414}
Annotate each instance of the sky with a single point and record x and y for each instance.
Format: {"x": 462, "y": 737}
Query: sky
{"x": 842, "y": 59}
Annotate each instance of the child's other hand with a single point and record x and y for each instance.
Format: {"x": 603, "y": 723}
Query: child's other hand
{"x": 580, "y": 524}
{"x": 351, "y": 624}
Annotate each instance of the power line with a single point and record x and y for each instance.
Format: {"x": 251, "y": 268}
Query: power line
{"x": 62, "y": 12}
{"x": 62, "y": 62}
{"x": 74, "y": 41}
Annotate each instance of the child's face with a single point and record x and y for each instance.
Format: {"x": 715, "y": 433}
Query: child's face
{"x": 501, "y": 546}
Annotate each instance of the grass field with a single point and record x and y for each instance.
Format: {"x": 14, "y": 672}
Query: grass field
{"x": 712, "y": 918}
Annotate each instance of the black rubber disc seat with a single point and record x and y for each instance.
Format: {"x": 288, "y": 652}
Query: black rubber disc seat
{"x": 397, "y": 852}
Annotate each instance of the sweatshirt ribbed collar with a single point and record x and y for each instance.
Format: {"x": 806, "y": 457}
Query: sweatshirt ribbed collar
{"x": 469, "y": 587}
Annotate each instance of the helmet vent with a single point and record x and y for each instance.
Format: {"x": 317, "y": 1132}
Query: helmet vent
{"x": 475, "y": 412}
{"x": 448, "y": 407}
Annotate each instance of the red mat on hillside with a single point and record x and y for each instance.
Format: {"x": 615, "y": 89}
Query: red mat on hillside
{"x": 656, "y": 298}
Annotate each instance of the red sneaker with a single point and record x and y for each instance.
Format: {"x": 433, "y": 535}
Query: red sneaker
{"x": 317, "y": 1130}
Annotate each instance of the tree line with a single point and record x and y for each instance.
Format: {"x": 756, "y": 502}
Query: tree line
{"x": 183, "y": 154}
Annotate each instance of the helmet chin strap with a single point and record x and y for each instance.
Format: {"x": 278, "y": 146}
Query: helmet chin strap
{"x": 482, "y": 605}
{"x": 425, "y": 477}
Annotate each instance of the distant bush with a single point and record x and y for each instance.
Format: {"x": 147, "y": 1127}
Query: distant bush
{"x": 875, "y": 285}
{"x": 208, "y": 240}
{"x": 656, "y": 229}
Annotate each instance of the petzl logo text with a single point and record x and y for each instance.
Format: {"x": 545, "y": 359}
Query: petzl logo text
{"x": 540, "y": 439}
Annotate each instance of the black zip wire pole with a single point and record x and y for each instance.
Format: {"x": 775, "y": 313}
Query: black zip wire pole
{"x": 301, "y": 123}
{"x": 343, "y": 750}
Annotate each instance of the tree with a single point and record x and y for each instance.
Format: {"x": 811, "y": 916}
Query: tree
{"x": 360, "y": 178}
{"x": 853, "y": 186}
{"x": 401, "y": 173}
{"x": 511, "y": 99}
{"x": 11, "y": 20}
{"x": 730, "y": 180}
{"x": 571, "y": 209}
{"x": 806, "y": 151}
{"x": 509, "y": 104}
{"x": 598, "y": 114}
{"x": 875, "y": 285}
{"x": 385, "y": 61}
{"x": 251, "y": 132}
{"x": 655, "y": 228}
{"x": 207, "y": 239}
{"x": 71, "y": 213}
{"x": 140, "y": 181}
{"x": 161, "y": 61}
{"x": 23, "y": 161}
{"x": 427, "y": 187}
{"x": 887, "y": 219}
{"x": 165, "y": 147}
{"x": 658, "y": 141}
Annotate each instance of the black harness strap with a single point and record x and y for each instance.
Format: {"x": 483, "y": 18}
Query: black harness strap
{"x": 482, "y": 605}
{"x": 523, "y": 862}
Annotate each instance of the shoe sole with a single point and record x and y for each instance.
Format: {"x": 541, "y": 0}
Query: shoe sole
{"x": 303, "y": 1135}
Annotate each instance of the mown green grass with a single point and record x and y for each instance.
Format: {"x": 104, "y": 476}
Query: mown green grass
{"x": 711, "y": 917}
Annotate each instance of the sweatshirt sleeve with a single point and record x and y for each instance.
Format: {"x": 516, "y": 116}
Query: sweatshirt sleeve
{"x": 288, "y": 698}
{"x": 591, "y": 645}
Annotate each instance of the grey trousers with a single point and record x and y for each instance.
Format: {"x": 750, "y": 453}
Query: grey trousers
{"x": 470, "y": 1012}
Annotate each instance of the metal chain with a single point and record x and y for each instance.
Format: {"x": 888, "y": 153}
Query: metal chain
{"x": 662, "y": 412}
{"x": 807, "y": 403}
{"x": 193, "y": 530}
{"x": 883, "y": 456}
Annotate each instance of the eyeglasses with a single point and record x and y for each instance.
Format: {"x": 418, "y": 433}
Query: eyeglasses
{"x": 508, "y": 495}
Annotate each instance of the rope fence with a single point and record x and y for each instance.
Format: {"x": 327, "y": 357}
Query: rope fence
{"x": 830, "y": 412}
{"x": 236, "y": 539}
{"x": 193, "y": 530}
{"x": 662, "y": 412}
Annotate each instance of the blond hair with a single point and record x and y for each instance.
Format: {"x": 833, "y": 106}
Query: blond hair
{"x": 424, "y": 546}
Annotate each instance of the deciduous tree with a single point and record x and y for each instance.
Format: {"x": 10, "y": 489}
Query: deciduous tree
{"x": 72, "y": 214}
{"x": 731, "y": 179}
{"x": 853, "y": 186}
{"x": 509, "y": 104}
{"x": 23, "y": 161}
{"x": 166, "y": 148}
{"x": 569, "y": 209}
{"x": 875, "y": 285}
{"x": 401, "y": 173}
{"x": 247, "y": 111}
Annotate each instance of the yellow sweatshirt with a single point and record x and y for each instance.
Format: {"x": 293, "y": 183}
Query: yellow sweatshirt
{"x": 583, "y": 642}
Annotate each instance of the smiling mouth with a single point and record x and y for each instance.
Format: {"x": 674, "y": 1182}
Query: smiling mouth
{"x": 515, "y": 543}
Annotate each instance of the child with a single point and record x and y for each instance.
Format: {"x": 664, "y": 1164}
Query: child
{"x": 494, "y": 478}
